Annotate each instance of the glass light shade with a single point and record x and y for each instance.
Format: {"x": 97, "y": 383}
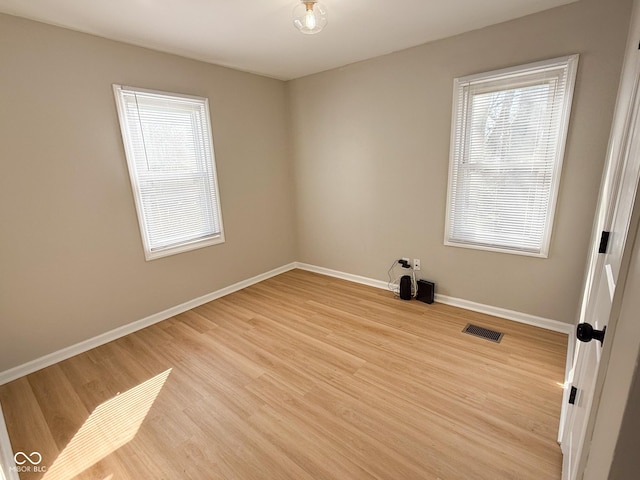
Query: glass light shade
{"x": 310, "y": 17}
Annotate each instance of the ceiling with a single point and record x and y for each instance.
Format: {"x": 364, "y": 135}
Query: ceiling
{"x": 258, "y": 36}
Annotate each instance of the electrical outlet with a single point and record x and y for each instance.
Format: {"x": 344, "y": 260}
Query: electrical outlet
{"x": 405, "y": 262}
{"x": 416, "y": 264}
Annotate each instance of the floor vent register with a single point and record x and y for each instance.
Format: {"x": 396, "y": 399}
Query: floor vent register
{"x": 482, "y": 332}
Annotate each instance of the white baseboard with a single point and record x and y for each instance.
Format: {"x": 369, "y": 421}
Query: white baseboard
{"x": 520, "y": 317}
{"x": 6, "y": 455}
{"x": 342, "y": 275}
{"x": 68, "y": 352}
{"x": 546, "y": 323}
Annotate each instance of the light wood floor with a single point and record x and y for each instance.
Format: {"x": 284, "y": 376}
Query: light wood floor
{"x": 300, "y": 377}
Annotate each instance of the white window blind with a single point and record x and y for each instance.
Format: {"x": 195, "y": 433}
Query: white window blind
{"x": 507, "y": 144}
{"x": 169, "y": 150}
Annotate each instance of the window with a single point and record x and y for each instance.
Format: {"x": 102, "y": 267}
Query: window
{"x": 169, "y": 150}
{"x": 507, "y": 144}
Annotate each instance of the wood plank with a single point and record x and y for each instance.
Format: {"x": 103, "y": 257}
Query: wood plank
{"x": 306, "y": 377}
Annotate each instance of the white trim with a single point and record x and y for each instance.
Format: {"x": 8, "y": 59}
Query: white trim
{"x": 520, "y": 317}
{"x": 68, "y": 352}
{"x": 568, "y": 379}
{"x": 460, "y": 111}
{"x": 6, "y": 453}
{"x": 546, "y": 323}
{"x": 344, "y": 276}
{"x": 519, "y": 70}
{"x": 214, "y": 238}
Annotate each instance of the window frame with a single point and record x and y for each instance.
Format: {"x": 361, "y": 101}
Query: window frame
{"x": 195, "y": 242}
{"x": 511, "y": 77}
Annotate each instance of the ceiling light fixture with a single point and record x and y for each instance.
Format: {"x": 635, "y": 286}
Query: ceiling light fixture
{"x": 310, "y": 16}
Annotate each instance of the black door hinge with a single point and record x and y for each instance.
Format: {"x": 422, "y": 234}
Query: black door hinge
{"x": 572, "y": 395}
{"x": 604, "y": 242}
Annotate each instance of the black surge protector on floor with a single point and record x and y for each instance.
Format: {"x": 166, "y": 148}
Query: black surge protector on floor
{"x": 426, "y": 291}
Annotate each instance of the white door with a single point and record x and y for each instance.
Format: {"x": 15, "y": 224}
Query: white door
{"x": 614, "y": 215}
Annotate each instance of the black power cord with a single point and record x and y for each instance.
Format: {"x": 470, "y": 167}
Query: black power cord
{"x": 394, "y": 279}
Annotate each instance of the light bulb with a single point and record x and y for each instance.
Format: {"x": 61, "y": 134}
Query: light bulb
{"x": 310, "y": 19}
{"x": 309, "y": 16}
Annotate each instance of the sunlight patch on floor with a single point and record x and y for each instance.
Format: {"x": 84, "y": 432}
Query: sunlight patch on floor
{"x": 112, "y": 424}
